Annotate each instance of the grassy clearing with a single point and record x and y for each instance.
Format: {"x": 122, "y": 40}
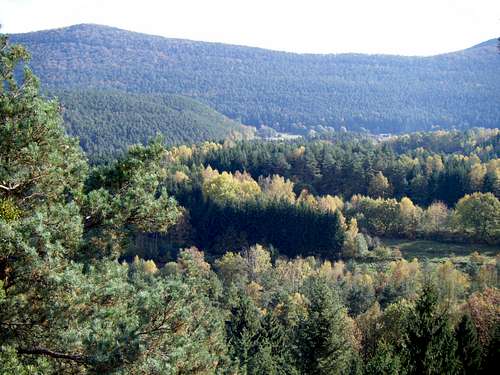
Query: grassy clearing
{"x": 435, "y": 251}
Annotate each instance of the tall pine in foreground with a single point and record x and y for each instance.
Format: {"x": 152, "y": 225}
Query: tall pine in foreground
{"x": 66, "y": 304}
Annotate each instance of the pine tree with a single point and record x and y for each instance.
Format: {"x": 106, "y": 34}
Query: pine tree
{"x": 324, "y": 346}
{"x": 274, "y": 352}
{"x": 430, "y": 343}
{"x": 263, "y": 361}
{"x": 469, "y": 347}
{"x": 60, "y": 311}
{"x": 385, "y": 361}
{"x": 242, "y": 330}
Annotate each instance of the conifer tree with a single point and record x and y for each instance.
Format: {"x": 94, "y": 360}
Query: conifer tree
{"x": 242, "y": 331}
{"x": 468, "y": 348}
{"x": 61, "y": 312}
{"x": 324, "y": 346}
{"x": 274, "y": 352}
{"x": 430, "y": 343}
{"x": 385, "y": 361}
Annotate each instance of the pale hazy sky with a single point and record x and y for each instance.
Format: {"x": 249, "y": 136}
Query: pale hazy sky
{"x": 416, "y": 27}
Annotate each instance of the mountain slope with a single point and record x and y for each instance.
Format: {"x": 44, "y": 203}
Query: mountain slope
{"x": 108, "y": 121}
{"x": 287, "y": 91}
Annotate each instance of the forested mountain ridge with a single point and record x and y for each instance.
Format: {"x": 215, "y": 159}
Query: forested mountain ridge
{"x": 287, "y": 91}
{"x": 108, "y": 121}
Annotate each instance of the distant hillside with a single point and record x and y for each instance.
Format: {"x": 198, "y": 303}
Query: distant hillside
{"x": 108, "y": 121}
{"x": 287, "y": 91}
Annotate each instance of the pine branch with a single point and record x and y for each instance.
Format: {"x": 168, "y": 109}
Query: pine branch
{"x": 53, "y": 354}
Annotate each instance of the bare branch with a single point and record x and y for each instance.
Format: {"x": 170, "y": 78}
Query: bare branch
{"x": 52, "y": 354}
{"x": 10, "y": 187}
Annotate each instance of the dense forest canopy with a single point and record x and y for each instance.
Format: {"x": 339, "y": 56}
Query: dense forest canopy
{"x": 450, "y": 165}
{"x": 108, "y": 121}
{"x": 313, "y": 197}
{"x": 289, "y": 92}
{"x": 241, "y": 257}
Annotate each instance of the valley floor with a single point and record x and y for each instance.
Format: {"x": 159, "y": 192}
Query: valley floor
{"x": 436, "y": 251}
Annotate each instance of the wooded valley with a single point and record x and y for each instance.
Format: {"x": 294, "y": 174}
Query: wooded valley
{"x": 207, "y": 252}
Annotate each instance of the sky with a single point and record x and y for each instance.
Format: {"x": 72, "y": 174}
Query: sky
{"x": 403, "y": 27}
